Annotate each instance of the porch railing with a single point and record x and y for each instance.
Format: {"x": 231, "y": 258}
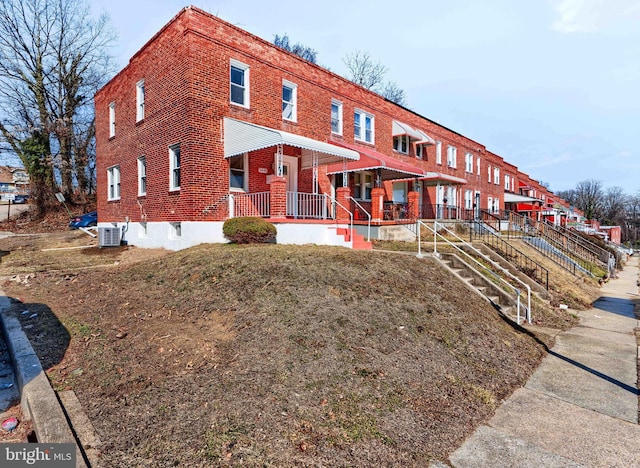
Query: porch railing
{"x": 309, "y": 206}
{"x": 368, "y": 216}
{"x": 249, "y": 204}
{"x": 445, "y": 211}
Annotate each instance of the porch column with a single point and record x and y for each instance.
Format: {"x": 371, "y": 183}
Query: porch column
{"x": 413, "y": 198}
{"x": 341, "y": 197}
{"x": 377, "y": 207}
{"x": 278, "y": 197}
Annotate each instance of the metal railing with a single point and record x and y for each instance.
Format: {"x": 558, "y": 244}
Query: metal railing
{"x": 444, "y": 211}
{"x": 309, "y": 205}
{"x": 368, "y": 216}
{"x": 482, "y": 267}
{"x": 519, "y": 259}
{"x": 568, "y": 251}
{"x": 249, "y": 204}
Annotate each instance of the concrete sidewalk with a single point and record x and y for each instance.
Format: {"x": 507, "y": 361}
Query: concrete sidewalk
{"x": 580, "y": 407}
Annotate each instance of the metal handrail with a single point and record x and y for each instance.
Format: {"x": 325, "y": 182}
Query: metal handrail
{"x": 368, "y": 215}
{"x": 510, "y": 252}
{"x": 330, "y": 198}
{"x": 488, "y": 270}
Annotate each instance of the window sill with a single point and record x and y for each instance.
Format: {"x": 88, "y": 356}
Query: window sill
{"x": 139, "y": 122}
{"x": 112, "y": 200}
{"x": 288, "y": 121}
{"x": 239, "y": 106}
{"x": 174, "y": 190}
{"x": 142, "y": 195}
{"x": 237, "y": 190}
{"x": 112, "y": 137}
{"x": 371, "y": 143}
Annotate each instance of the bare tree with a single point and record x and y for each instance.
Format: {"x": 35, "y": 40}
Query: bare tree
{"x": 570, "y": 196}
{"x": 364, "y": 71}
{"x": 53, "y": 57}
{"x": 394, "y": 93}
{"x": 369, "y": 74}
{"x": 614, "y": 202}
{"x": 589, "y": 198}
{"x": 298, "y": 48}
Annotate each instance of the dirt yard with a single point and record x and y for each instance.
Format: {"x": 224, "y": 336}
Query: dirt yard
{"x": 222, "y": 355}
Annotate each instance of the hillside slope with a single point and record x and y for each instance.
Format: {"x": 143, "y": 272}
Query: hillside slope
{"x": 276, "y": 356}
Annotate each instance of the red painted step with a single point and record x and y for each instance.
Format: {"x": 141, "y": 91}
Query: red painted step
{"x": 358, "y": 240}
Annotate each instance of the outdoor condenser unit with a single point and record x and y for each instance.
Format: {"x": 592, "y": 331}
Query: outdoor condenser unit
{"x": 108, "y": 237}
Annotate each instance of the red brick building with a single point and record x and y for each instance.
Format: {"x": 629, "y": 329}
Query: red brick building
{"x": 208, "y": 121}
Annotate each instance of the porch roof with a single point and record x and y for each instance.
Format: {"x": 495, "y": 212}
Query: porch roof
{"x": 440, "y": 177}
{"x": 371, "y": 160}
{"x": 242, "y": 137}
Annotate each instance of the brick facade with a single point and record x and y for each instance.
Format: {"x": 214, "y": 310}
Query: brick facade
{"x": 186, "y": 73}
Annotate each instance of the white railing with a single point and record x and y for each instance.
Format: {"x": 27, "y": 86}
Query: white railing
{"x": 368, "y": 216}
{"x": 309, "y": 206}
{"x": 249, "y": 204}
{"x": 435, "y": 232}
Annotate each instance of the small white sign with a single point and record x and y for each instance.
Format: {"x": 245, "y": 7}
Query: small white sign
{"x": 263, "y": 170}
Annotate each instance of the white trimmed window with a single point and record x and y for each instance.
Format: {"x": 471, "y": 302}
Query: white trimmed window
{"x": 142, "y": 176}
{"x": 506, "y": 182}
{"x": 363, "y": 126}
{"x": 113, "y": 183}
{"x": 496, "y": 205}
{"x": 239, "y": 82}
{"x": 468, "y": 199}
{"x": 174, "y": 167}
{"x": 489, "y": 173}
{"x": 478, "y": 165}
{"x": 490, "y": 204}
{"x": 513, "y": 184}
{"x": 452, "y": 156}
{"x": 452, "y": 196}
{"x": 238, "y": 173}
{"x": 112, "y": 120}
{"x": 421, "y": 151}
{"x": 401, "y": 144}
{"x": 468, "y": 162}
{"x": 438, "y": 152}
{"x": 289, "y": 101}
{"x": 139, "y": 100}
{"x": 336, "y": 117}
{"x": 362, "y": 185}
{"x": 496, "y": 175}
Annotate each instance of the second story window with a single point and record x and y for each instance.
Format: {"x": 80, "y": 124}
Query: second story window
{"x": 452, "y": 156}
{"x": 506, "y": 182}
{"x": 478, "y": 165}
{"x": 139, "y": 100}
{"x": 174, "y": 167}
{"x": 336, "y": 117}
{"x": 468, "y": 162}
{"x": 438, "y": 152}
{"x": 363, "y": 129}
{"x": 289, "y": 101}
{"x": 142, "y": 176}
{"x": 401, "y": 144}
{"x": 421, "y": 151}
{"x": 239, "y": 80}
{"x": 112, "y": 120}
{"x": 496, "y": 175}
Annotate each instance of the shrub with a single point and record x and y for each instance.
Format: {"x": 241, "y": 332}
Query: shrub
{"x": 249, "y": 230}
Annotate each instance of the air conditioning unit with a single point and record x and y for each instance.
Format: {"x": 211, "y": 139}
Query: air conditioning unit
{"x": 108, "y": 237}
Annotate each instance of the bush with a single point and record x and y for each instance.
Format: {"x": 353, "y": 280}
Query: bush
{"x": 249, "y": 230}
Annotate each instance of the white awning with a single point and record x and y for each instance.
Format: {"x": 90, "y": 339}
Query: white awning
{"x": 399, "y": 128}
{"x": 426, "y": 139}
{"x": 243, "y": 137}
{"x": 513, "y": 198}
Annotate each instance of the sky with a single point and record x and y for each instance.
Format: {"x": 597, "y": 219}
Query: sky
{"x": 552, "y": 86}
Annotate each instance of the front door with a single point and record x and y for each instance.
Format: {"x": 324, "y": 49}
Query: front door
{"x": 290, "y": 173}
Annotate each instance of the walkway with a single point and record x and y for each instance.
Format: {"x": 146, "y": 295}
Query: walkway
{"x": 580, "y": 407}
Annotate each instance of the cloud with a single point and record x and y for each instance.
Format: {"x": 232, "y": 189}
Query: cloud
{"x": 577, "y": 16}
